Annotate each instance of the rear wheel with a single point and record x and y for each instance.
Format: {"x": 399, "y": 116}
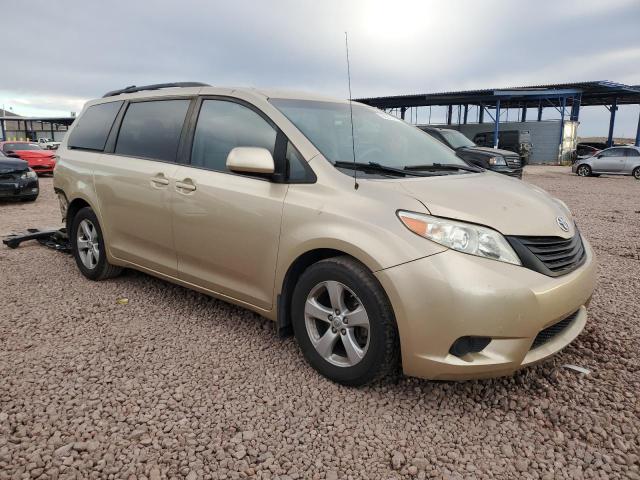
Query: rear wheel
{"x": 584, "y": 170}
{"x": 344, "y": 322}
{"x": 636, "y": 173}
{"x": 87, "y": 245}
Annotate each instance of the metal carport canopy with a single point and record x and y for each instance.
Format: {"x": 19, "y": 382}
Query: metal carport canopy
{"x": 559, "y": 96}
{"x": 591, "y": 93}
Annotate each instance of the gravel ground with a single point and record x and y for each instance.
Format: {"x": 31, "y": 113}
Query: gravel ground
{"x": 178, "y": 385}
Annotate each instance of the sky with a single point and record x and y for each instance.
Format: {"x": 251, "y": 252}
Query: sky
{"x": 60, "y": 53}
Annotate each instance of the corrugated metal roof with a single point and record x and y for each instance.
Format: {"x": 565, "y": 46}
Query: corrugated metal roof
{"x": 592, "y": 92}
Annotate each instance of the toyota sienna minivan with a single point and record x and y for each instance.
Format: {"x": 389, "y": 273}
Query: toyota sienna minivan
{"x": 369, "y": 239}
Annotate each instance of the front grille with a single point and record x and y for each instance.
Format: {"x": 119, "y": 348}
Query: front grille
{"x": 513, "y": 162}
{"x": 552, "y": 256}
{"x": 9, "y": 176}
{"x": 550, "y": 332}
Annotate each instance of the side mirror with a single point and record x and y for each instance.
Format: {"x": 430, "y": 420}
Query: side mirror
{"x": 250, "y": 160}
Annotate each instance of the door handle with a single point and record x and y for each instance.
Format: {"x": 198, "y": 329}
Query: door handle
{"x": 159, "y": 180}
{"x": 186, "y": 184}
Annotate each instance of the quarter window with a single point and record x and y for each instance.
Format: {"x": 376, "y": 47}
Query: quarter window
{"x": 152, "y": 129}
{"x": 93, "y": 126}
{"x": 224, "y": 125}
{"x": 297, "y": 172}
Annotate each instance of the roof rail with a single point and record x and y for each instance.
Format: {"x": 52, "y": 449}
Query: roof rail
{"x": 156, "y": 86}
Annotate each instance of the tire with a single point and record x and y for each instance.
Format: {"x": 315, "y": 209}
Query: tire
{"x": 584, "y": 170}
{"x": 636, "y": 173}
{"x": 92, "y": 259}
{"x": 374, "y": 351}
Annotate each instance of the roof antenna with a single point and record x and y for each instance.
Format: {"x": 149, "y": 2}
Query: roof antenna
{"x": 353, "y": 140}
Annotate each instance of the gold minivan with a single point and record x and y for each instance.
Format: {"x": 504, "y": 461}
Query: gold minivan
{"x": 373, "y": 242}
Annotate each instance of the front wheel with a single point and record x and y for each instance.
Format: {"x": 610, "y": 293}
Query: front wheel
{"x": 87, "y": 245}
{"x": 636, "y": 173}
{"x": 584, "y": 170}
{"x": 344, "y": 322}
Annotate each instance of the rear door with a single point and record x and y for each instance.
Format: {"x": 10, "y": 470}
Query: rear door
{"x": 227, "y": 225}
{"x": 132, "y": 183}
{"x": 632, "y": 159}
{"x": 610, "y": 160}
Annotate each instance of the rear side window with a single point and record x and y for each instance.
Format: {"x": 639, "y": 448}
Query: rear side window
{"x": 94, "y": 126}
{"x": 224, "y": 125}
{"x": 632, "y": 152}
{"x": 613, "y": 152}
{"x": 152, "y": 129}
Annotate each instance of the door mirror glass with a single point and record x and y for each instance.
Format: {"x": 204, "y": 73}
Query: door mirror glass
{"x": 250, "y": 160}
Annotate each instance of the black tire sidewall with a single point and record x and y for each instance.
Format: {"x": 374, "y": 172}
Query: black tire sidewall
{"x": 377, "y": 309}
{"x": 89, "y": 214}
{"x": 635, "y": 173}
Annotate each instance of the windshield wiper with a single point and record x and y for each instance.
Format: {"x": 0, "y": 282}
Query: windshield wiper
{"x": 444, "y": 166}
{"x": 378, "y": 168}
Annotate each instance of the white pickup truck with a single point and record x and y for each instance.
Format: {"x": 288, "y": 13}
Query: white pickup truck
{"x": 48, "y": 144}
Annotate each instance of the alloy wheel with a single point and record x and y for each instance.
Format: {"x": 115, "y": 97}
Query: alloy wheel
{"x": 337, "y": 323}
{"x": 583, "y": 171}
{"x": 87, "y": 242}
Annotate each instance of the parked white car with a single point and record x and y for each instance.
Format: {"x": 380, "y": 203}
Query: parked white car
{"x": 623, "y": 160}
{"x": 48, "y": 144}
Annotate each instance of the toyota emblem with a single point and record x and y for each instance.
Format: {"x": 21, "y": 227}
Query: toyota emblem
{"x": 562, "y": 223}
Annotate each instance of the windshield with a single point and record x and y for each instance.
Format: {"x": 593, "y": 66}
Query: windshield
{"x": 7, "y": 147}
{"x": 456, "y": 139}
{"x": 379, "y": 137}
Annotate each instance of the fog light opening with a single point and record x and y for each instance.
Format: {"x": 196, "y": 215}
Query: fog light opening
{"x": 466, "y": 345}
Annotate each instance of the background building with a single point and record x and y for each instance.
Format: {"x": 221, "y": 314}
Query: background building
{"x": 15, "y": 127}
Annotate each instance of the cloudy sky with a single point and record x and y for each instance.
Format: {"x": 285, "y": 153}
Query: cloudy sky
{"x": 59, "y": 53}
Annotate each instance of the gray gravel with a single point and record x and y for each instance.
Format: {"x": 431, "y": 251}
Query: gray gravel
{"x": 177, "y": 385}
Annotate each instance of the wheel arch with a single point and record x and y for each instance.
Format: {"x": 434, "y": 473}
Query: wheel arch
{"x": 290, "y": 279}
{"x": 74, "y": 207}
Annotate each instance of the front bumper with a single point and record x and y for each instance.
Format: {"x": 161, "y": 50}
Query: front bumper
{"x": 18, "y": 188}
{"x": 440, "y": 298}
{"x": 511, "y": 172}
{"x": 40, "y": 169}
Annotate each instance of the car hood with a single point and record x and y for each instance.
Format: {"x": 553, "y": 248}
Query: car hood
{"x": 10, "y": 165}
{"x": 489, "y": 152}
{"x": 35, "y": 154}
{"x": 511, "y": 206}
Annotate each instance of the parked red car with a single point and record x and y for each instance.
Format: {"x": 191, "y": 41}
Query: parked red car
{"x": 39, "y": 159}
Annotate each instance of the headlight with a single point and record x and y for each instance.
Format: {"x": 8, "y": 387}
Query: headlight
{"x": 500, "y": 161}
{"x": 29, "y": 174}
{"x": 460, "y": 236}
